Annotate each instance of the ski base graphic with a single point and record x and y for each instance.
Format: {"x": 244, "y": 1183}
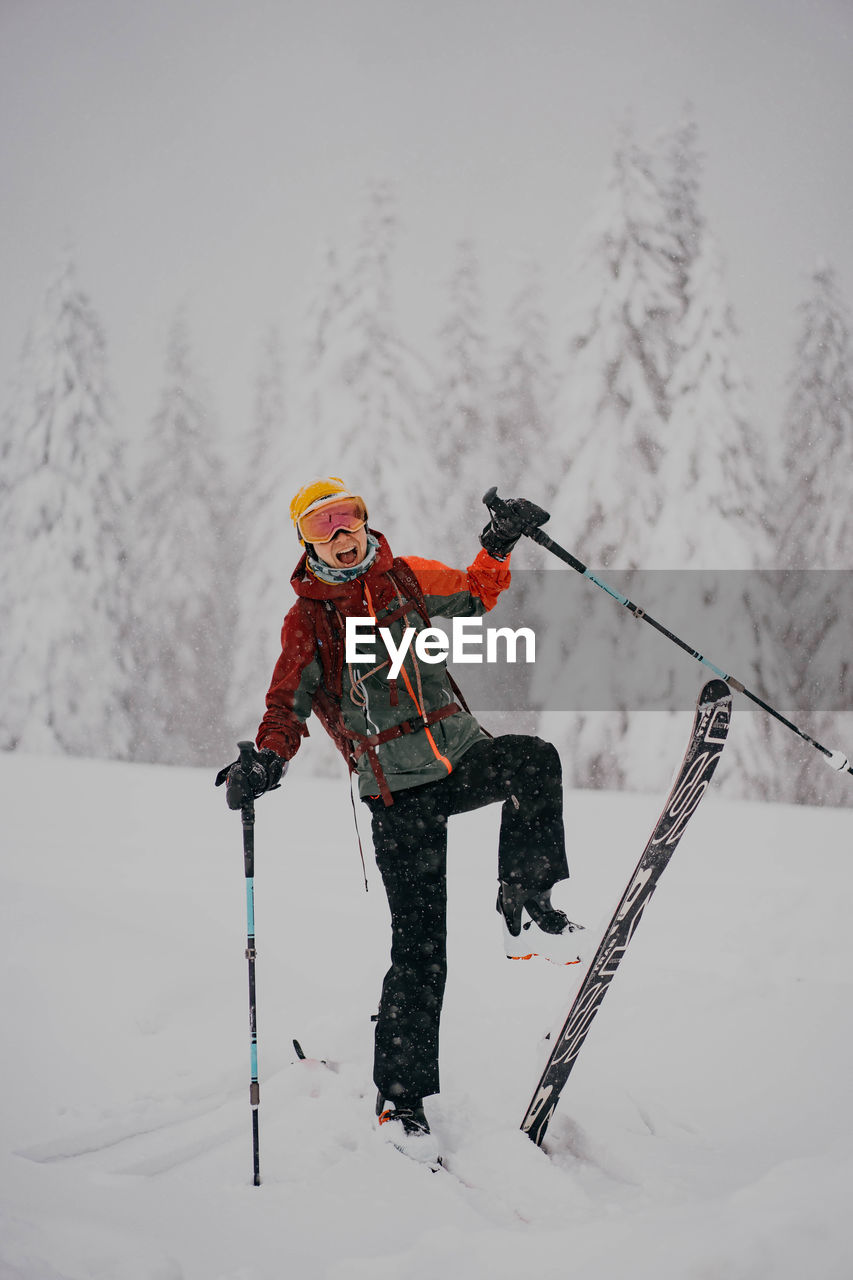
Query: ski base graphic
{"x": 708, "y": 737}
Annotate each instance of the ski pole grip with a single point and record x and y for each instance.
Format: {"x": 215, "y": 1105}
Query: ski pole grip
{"x": 247, "y": 756}
{"x": 524, "y": 515}
{"x": 495, "y": 504}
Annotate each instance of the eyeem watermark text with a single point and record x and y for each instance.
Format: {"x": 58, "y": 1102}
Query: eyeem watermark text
{"x": 469, "y": 641}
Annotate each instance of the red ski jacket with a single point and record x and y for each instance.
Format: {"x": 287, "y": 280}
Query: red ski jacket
{"x": 395, "y": 734}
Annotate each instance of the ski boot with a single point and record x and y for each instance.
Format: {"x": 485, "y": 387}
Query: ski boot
{"x": 533, "y": 926}
{"x": 405, "y": 1126}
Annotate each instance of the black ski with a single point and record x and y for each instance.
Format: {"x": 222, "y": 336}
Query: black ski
{"x": 710, "y": 728}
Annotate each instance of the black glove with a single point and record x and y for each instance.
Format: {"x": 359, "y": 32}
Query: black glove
{"x": 267, "y": 771}
{"x": 510, "y": 518}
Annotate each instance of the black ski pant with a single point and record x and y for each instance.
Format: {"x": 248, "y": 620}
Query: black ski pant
{"x": 410, "y": 842}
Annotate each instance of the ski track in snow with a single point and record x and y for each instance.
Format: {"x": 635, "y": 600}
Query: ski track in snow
{"x": 704, "y": 1133}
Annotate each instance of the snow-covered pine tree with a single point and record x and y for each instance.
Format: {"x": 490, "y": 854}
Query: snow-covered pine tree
{"x": 64, "y": 666}
{"x": 323, "y": 321}
{"x": 613, "y": 407}
{"x": 680, "y": 163}
{"x": 459, "y": 419}
{"x": 184, "y": 578}
{"x": 819, "y": 432}
{"x": 812, "y": 617}
{"x": 612, "y": 414}
{"x": 525, "y": 462}
{"x": 714, "y": 458}
{"x": 268, "y": 549}
{"x": 369, "y": 389}
{"x": 526, "y": 455}
{"x": 714, "y": 467}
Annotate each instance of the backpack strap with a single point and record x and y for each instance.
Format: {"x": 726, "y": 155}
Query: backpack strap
{"x": 366, "y": 744}
{"x": 330, "y": 631}
{"x": 408, "y": 578}
{"x": 403, "y": 575}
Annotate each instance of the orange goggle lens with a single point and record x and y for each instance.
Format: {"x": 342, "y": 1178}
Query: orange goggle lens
{"x": 322, "y": 525}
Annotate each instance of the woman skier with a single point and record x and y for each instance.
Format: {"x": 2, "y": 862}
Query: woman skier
{"x": 419, "y": 756}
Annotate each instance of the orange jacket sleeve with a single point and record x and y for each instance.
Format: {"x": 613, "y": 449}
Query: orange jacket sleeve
{"x": 461, "y": 592}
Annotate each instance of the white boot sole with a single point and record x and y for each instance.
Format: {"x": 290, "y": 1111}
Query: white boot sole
{"x": 420, "y": 1147}
{"x": 560, "y": 948}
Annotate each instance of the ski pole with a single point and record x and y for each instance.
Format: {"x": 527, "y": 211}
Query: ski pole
{"x": 836, "y": 759}
{"x": 248, "y": 815}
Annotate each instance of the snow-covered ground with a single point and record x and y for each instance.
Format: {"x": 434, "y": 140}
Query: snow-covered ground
{"x": 706, "y": 1133}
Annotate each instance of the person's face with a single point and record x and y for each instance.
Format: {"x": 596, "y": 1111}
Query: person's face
{"x": 344, "y": 550}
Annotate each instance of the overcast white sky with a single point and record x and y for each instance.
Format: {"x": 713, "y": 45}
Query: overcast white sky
{"x": 198, "y": 151}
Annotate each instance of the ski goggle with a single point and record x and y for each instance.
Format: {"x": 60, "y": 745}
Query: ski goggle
{"x": 321, "y": 524}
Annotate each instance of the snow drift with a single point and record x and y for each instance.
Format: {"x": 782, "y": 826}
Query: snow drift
{"x": 705, "y": 1132}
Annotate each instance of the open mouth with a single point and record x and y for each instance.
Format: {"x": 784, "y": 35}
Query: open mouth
{"x": 347, "y": 558}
